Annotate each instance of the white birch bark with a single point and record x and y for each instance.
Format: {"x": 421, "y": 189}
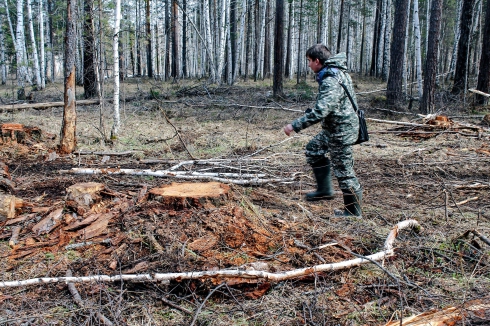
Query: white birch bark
{"x": 35, "y": 58}
{"x": 206, "y": 17}
{"x": 22, "y": 76}
{"x": 418, "y": 55}
{"x": 3, "y": 68}
{"x": 41, "y": 45}
{"x": 10, "y": 26}
{"x": 457, "y": 33}
{"x": 117, "y": 22}
{"x": 240, "y": 45}
{"x": 405, "y": 65}
{"x": 224, "y": 12}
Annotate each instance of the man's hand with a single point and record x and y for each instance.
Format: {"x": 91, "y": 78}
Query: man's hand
{"x": 288, "y": 129}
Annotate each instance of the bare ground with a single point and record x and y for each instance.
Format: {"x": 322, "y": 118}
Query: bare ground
{"x": 413, "y": 176}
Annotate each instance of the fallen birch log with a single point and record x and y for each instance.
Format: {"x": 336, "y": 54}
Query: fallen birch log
{"x": 47, "y": 105}
{"x": 479, "y": 92}
{"x": 242, "y": 178}
{"x": 387, "y": 251}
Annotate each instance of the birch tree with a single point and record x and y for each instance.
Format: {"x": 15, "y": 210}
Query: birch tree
{"x": 41, "y": 43}
{"x": 115, "y": 55}
{"x": 3, "y": 67}
{"x": 68, "y": 128}
{"x": 35, "y": 58}
{"x": 22, "y": 74}
{"x": 418, "y": 54}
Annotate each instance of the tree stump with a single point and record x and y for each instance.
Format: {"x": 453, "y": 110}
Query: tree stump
{"x": 8, "y": 204}
{"x": 82, "y": 196}
{"x": 184, "y": 195}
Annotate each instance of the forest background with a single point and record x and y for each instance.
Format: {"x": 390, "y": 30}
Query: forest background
{"x": 201, "y": 90}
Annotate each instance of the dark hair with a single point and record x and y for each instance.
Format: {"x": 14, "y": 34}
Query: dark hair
{"x": 320, "y": 52}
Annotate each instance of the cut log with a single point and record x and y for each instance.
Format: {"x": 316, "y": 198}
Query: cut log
{"x": 182, "y": 195}
{"x": 82, "y": 196}
{"x": 448, "y": 316}
{"x": 8, "y": 205}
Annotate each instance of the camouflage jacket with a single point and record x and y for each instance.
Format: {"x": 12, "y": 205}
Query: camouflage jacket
{"x": 333, "y": 107}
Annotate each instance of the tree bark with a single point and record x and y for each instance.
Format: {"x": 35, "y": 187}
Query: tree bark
{"x": 428, "y": 98}
{"x": 149, "y": 55}
{"x": 3, "y": 67}
{"x": 484, "y": 72}
{"x": 267, "y": 42}
{"x": 117, "y": 21}
{"x": 184, "y": 39}
{"x": 41, "y": 42}
{"x": 277, "y": 86}
{"x": 175, "y": 41}
{"x": 289, "y": 50}
{"x": 460, "y": 75}
{"x": 300, "y": 36}
{"x": 339, "y": 35}
{"x": 374, "y": 53}
{"x": 68, "y": 129}
{"x": 89, "y": 75}
{"x": 418, "y": 53}
{"x": 394, "y": 89}
{"x": 35, "y": 58}
{"x": 167, "y": 39}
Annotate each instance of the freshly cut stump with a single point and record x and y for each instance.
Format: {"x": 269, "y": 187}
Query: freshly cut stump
{"x": 183, "y": 195}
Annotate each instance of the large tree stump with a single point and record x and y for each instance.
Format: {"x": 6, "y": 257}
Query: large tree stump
{"x": 183, "y": 195}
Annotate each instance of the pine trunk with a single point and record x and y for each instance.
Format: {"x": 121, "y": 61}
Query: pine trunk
{"x": 278, "y": 50}
{"x": 175, "y": 41}
{"x": 394, "y": 89}
{"x": 289, "y": 50}
{"x": 3, "y": 68}
{"x": 267, "y": 42}
{"x": 184, "y": 39}
{"x": 460, "y": 74}
{"x": 428, "y": 97}
{"x": 300, "y": 36}
{"x": 167, "y": 39}
{"x": 89, "y": 74}
{"x": 418, "y": 53}
{"x": 68, "y": 130}
{"x": 484, "y": 72}
{"x": 149, "y": 56}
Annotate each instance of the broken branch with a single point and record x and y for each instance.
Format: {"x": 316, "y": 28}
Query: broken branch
{"x": 225, "y": 274}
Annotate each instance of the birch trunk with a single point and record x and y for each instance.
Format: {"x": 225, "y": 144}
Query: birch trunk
{"x": 289, "y": 46}
{"x": 3, "y": 68}
{"x": 457, "y": 33}
{"x": 22, "y": 76}
{"x": 224, "y": 12}
{"x": 405, "y": 60}
{"x": 41, "y": 45}
{"x": 240, "y": 46}
{"x": 207, "y": 25}
{"x": 418, "y": 53}
{"x": 35, "y": 57}
{"x": 115, "y": 54}
{"x": 381, "y": 39}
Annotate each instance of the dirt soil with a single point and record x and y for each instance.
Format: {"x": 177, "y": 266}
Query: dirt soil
{"x": 232, "y": 135}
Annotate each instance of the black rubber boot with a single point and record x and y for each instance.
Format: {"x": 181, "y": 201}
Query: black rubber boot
{"x": 323, "y": 177}
{"x": 352, "y": 203}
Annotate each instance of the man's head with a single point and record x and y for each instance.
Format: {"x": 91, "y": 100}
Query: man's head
{"x": 317, "y": 55}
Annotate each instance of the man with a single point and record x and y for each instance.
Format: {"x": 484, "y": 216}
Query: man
{"x": 340, "y": 128}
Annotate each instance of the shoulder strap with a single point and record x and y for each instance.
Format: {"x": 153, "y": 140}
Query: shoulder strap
{"x": 331, "y": 73}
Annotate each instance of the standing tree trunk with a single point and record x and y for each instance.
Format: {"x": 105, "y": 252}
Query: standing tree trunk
{"x": 68, "y": 140}
{"x": 428, "y": 98}
{"x": 149, "y": 56}
{"x": 249, "y": 36}
{"x": 35, "y": 58}
{"x": 20, "y": 55}
{"x": 267, "y": 42}
{"x": 418, "y": 53}
{"x": 387, "y": 41}
{"x": 374, "y": 54}
{"x": 41, "y": 42}
{"x": 395, "y": 81}
{"x": 167, "y": 39}
{"x": 3, "y": 68}
{"x": 184, "y": 38}
{"x": 89, "y": 75}
{"x": 363, "y": 38}
{"x": 175, "y": 40}
{"x": 233, "y": 38}
{"x": 278, "y": 50}
{"x": 339, "y": 35}
{"x": 137, "y": 39}
{"x": 117, "y": 21}
{"x": 484, "y": 73}
{"x": 463, "y": 47}
{"x": 289, "y": 50}
{"x": 51, "y": 38}
{"x": 300, "y": 36}
{"x": 257, "y": 39}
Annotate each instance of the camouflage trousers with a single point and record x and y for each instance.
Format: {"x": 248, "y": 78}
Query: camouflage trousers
{"x": 341, "y": 157}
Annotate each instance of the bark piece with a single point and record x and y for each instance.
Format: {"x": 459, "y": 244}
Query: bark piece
{"x": 80, "y": 224}
{"x": 48, "y": 223}
{"x": 15, "y": 236}
{"x": 8, "y": 205}
{"x": 181, "y": 195}
{"x": 95, "y": 229}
